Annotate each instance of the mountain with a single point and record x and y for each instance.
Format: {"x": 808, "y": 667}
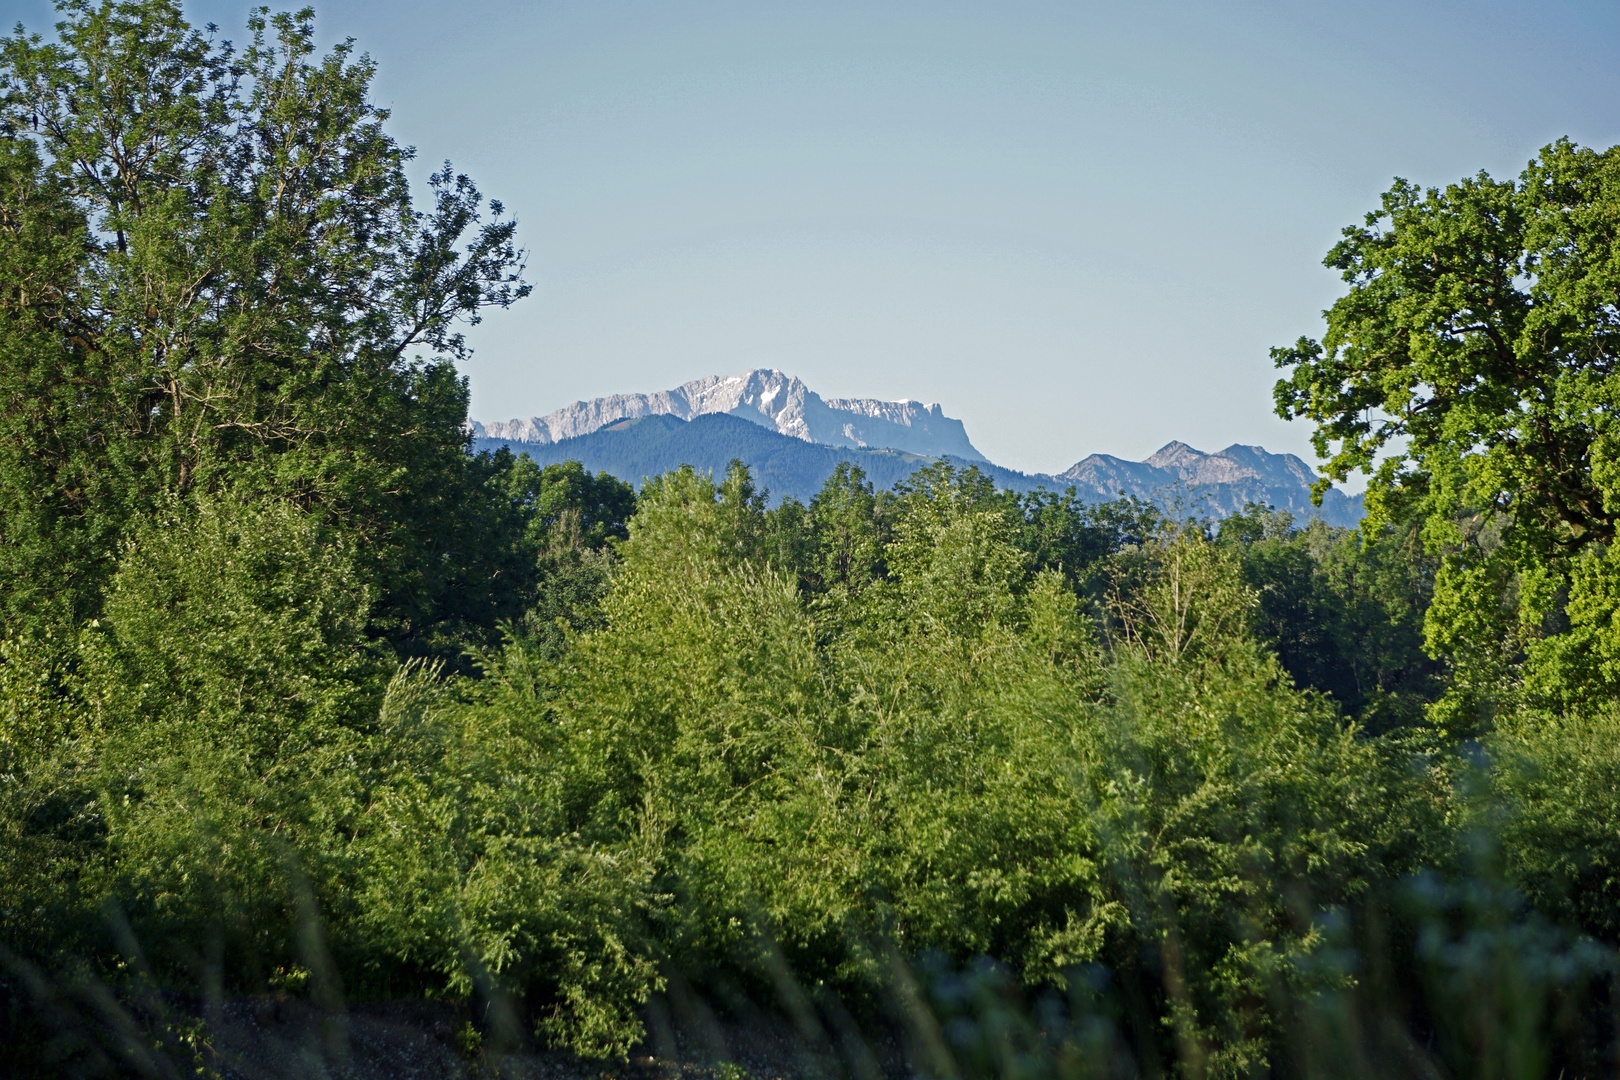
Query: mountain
{"x": 1210, "y": 485}
{"x": 1213, "y": 485}
{"x": 769, "y": 398}
{"x": 645, "y": 446}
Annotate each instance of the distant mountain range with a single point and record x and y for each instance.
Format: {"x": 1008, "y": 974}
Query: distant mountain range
{"x": 772, "y": 399}
{"x": 1213, "y": 484}
{"x": 792, "y": 440}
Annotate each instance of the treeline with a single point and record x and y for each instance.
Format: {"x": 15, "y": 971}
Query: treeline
{"x": 299, "y": 696}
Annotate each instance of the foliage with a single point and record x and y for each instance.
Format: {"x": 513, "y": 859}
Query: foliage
{"x": 49, "y": 824}
{"x": 947, "y": 761}
{"x": 1557, "y": 784}
{"x": 215, "y": 279}
{"x": 231, "y": 691}
{"x": 297, "y": 696}
{"x": 570, "y": 521}
{"x": 1343, "y": 609}
{"x": 1469, "y": 369}
{"x": 472, "y": 873}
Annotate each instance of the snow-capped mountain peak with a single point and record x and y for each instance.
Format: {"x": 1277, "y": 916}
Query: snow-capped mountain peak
{"x": 765, "y": 396}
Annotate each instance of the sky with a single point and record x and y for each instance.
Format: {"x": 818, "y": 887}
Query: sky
{"x": 1079, "y": 227}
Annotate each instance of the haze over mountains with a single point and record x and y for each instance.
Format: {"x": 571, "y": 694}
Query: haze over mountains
{"x": 792, "y": 439}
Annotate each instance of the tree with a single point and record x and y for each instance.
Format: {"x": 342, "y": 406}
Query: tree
{"x": 1471, "y": 370}
{"x": 214, "y": 277}
{"x": 230, "y": 690}
{"x": 571, "y": 521}
{"x": 850, "y": 526}
{"x": 1342, "y": 609}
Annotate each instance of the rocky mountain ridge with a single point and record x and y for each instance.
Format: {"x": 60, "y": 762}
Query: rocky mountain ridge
{"x": 1177, "y": 463}
{"x": 779, "y": 446}
{"x": 1213, "y": 485}
{"x": 765, "y": 396}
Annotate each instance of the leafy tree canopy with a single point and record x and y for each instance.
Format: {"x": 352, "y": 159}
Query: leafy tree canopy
{"x": 213, "y": 275}
{"x": 1471, "y": 370}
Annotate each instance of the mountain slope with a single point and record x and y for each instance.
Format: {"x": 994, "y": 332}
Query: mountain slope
{"x": 769, "y": 398}
{"x": 636, "y": 449}
{"x": 1212, "y": 485}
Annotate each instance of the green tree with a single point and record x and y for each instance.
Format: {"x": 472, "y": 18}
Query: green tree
{"x": 214, "y": 276}
{"x": 850, "y": 530}
{"x": 1558, "y": 781}
{"x": 1343, "y": 609}
{"x": 906, "y": 775}
{"x": 565, "y": 505}
{"x": 1085, "y": 542}
{"x": 470, "y": 870}
{"x": 1470, "y": 369}
{"x": 229, "y": 691}
{"x": 571, "y": 523}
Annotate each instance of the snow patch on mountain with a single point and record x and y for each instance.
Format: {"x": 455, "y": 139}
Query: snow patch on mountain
{"x": 767, "y": 397}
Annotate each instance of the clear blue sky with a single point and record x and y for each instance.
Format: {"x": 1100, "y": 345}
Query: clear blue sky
{"x": 1079, "y": 227}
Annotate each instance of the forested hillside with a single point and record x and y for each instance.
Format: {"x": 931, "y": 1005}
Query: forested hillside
{"x": 303, "y": 701}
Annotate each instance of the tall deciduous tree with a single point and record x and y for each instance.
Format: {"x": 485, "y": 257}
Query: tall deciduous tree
{"x": 1473, "y": 368}
{"x": 213, "y": 276}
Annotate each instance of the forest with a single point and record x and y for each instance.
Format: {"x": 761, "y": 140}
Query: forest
{"x": 299, "y": 697}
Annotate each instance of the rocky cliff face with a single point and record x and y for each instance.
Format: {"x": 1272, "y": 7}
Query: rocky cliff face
{"x": 1213, "y": 484}
{"x": 770, "y": 398}
{"x": 1176, "y": 461}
